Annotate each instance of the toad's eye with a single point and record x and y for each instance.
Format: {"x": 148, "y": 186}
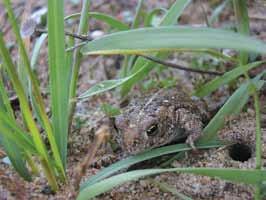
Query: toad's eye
{"x": 152, "y": 130}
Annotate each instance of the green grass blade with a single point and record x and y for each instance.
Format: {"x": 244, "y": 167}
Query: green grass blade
{"x": 242, "y": 19}
{"x": 214, "y": 84}
{"x": 16, "y": 157}
{"x": 8, "y": 120}
{"x": 232, "y": 106}
{"x": 167, "y": 188}
{"x": 10, "y": 68}
{"x": 144, "y": 156}
{"x": 22, "y": 72}
{"x": 36, "y": 50}
{"x": 111, "y": 21}
{"x": 169, "y": 39}
{"x": 59, "y": 75}
{"x": 76, "y": 60}
{"x": 136, "y": 22}
{"x": 33, "y": 62}
{"x": 218, "y": 10}
{"x": 174, "y": 12}
{"x": 22, "y": 137}
{"x": 13, "y": 151}
{"x": 128, "y": 60}
{"x": 104, "y": 86}
{"x": 150, "y": 16}
{"x": 18, "y": 138}
{"x": 248, "y": 176}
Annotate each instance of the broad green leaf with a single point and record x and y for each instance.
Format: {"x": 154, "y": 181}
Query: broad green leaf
{"x": 214, "y": 84}
{"x": 248, "y": 176}
{"x": 144, "y": 156}
{"x": 59, "y": 75}
{"x": 169, "y": 39}
{"x": 115, "y": 23}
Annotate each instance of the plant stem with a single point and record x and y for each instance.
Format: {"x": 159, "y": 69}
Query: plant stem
{"x": 83, "y": 29}
{"x": 257, "y": 195}
{"x": 258, "y": 130}
{"x": 49, "y": 175}
{"x": 126, "y": 63}
{"x": 34, "y": 168}
{"x": 241, "y": 13}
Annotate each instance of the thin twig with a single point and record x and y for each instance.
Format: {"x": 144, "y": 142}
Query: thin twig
{"x": 175, "y": 66}
{"x": 80, "y": 37}
{"x": 102, "y": 136}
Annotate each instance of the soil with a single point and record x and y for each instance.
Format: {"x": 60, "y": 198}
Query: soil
{"x": 240, "y": 129}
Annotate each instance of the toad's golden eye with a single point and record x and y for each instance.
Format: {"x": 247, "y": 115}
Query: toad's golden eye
{"x": 152, "y": 130}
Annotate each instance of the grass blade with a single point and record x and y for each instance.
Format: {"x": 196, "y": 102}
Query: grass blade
{"x": 136, "y": 20}
{"x": 152, "y": 14}
{"x": 76, "y": 60}
{"x": 111, "y": 21}
{"x": 248, "y": 176}
{"x": 144, "y": 156}
{"x": 214, "y": 84}
{"x": 13, "y": 151}
{"x": 232, "y": 106}
{"x": 167, "y": 188}
{"x": 17, "y": 137}
{"x": 169, "y": 39}
{"x": 59, "y": 75}
{"x": 241, "y": 13}
{"x": 36, "y": 50}
{"x": 104, "y": 86}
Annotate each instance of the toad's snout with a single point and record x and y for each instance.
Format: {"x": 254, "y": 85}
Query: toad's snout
{"x": 132, "y": 138}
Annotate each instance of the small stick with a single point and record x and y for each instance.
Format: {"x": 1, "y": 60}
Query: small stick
{"x": 102, "y": 135}
{"x": 175, "y": 66}
{"x": 74, "y": 35}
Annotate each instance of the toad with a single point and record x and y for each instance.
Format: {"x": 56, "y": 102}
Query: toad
{"x": 167, "y": 116}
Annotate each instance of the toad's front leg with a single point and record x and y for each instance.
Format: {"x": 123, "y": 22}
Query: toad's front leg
{"x": 191, "y": 123}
